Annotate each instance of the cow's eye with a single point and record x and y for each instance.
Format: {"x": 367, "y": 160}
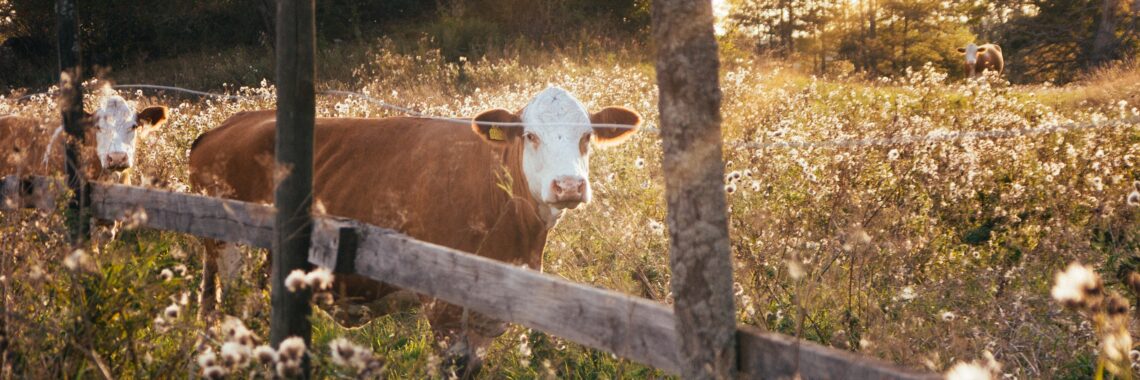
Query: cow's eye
{"x": 584, "y": 144}
{"x": 533, "y": 138}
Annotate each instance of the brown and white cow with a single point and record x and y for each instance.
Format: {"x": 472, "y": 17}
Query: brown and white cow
{"x": 32, "y": 147}
{"x": 492, "y": 190}
{"x": 982, "y": 58}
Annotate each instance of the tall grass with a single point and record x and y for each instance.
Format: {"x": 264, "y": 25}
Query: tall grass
{"x": 924, "y": 254}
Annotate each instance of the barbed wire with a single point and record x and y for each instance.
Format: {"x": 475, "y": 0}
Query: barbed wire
{"x": 838, "y": 143}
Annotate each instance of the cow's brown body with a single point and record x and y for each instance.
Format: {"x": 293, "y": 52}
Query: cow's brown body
{"x": 988, "y": 58}
{"x": 436, "y": 181}
{"x": 24, "y": 141}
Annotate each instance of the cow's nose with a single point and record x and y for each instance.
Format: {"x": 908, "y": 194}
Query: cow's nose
{"x": 117, "y": 161}
{"x": 568, "y": 191}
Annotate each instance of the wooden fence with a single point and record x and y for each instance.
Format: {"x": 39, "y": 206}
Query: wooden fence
{"x": 630, "y": 327}
{"x": 700, "y": 341}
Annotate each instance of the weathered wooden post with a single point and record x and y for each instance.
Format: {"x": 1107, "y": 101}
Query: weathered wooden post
{"x": 296, "y": 115}
{"x": 71, "y": 111}
{"x": 700, "y": 256}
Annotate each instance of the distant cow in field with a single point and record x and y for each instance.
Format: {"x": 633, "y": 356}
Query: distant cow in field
{"x": 487, "y": 188}
{"x": 981, "y": 58}
{"x": 32, "y": 147}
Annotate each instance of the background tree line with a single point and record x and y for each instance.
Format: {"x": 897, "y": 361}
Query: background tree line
{"x": 1042, "y": 40}
{"x": 1054, "y": 40}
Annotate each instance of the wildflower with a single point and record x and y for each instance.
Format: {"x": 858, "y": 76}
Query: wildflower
{"x": 295, "y": 281}
{"x": 319, "y": 279}
{"x": 1134, "y": 198}
{"x": 732, "y": 177}
{"x": 343, "y": 351}
{"x": 795, "y": 269}
{"x": 172, "y": 311}
{"x": 180, "y": 269}
{"x": 755, "y": 186}
{"x": 235, "y": 355}
{"x": 1077, "y": 286}
{"x": 948, "y": 316}
{"x": 730, "y": 188}
{"x": 656, "y": 227}
{"x": 639, "y": 163}
{"x": 748, "y": 173}
{"x": 166, "y": 275}
{"x": 291, "y": 349}
{"x": 967, "y": 371}
{"x": 288, "y": 369}
{"x": 77, "y": 260}
{"x": 213, "y": 372}
{"x": 908, "y": 293}
{"x": 893, "y": 154}
{"x": 265, "y": 354}
{"x": 207, "y": 358}
{"x": 159, "y": 323}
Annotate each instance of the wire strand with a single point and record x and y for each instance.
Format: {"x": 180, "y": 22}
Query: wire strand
{"x": 838, "y": 143}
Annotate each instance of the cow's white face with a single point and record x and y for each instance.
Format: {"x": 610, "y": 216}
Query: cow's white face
{"x": 971, "y": 52}
{"x": 116, "y": 128}
{"x": 555, "y": 135}
{"x": 556, "y": 149}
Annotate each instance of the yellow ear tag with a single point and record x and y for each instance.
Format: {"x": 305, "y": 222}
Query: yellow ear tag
{"x": 496, "y": 134}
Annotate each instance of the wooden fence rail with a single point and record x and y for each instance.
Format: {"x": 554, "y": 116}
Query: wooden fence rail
{"x": 630, "y": 327}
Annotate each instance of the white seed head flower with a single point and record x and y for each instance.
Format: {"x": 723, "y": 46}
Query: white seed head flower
{"x": 319, "y": 279}
{"x": 265, "y": 354}
{"x": 639, "y": 163}
{"x": 968, "y": 371}
{"x": 213, "y": 372}
{"x": 291, "y": 349}
{"x": 207, "y": 358}
{"x": 235, "y": 355}
{"x": 77, "y": 260}
{"x": 1134, "y": 198}
{"x": 733, "y": 176}
{"x": 948, "y": 316}
{"x": 908, "y": 293}
{"x": 1075, "y": 286}
{"x": 730, "y": 188}
{"x": 172, "y": 311}
{"x": 159, "y": 323}
{"x": 345, "y": 353}
{"x": 656, "y": 227}
{"x": 288, "y": 369}
{"x": 166, "y": 275}
{"x": 295, "y": 281}
{"x": 893, "y": 154}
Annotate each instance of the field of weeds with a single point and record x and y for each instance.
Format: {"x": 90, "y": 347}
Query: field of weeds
{"x": 925, "y": 253}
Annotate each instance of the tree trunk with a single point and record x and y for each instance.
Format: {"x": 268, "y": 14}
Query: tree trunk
{"x": 700, "y": 257}
{"x": 1104, "y": 41}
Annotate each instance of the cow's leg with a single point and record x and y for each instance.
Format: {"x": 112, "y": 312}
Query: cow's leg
{"x": 463, "y": 336}
{"x": 231, "y": 265}
{"x": 208, "y": 294}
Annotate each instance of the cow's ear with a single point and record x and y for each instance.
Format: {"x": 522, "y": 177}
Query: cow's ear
{"x": 620, "y": 123}
{"x": 486, "y": 125}
{"x": 962, "y": 50}
{"x": 152, "y": 116}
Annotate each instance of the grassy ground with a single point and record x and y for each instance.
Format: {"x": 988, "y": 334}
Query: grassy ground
{"x": 924, "y": 254}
